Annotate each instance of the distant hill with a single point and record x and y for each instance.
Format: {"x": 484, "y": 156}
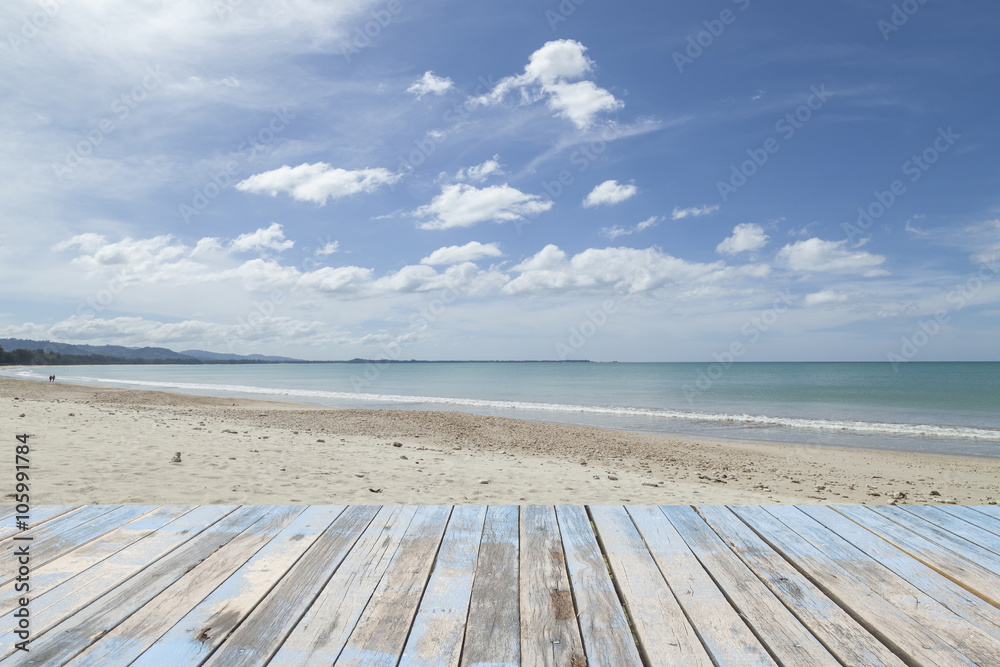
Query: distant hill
{"x": 147, "y": 354}
{"x": 218, "y": 356}
{"x": 103, "y": 350}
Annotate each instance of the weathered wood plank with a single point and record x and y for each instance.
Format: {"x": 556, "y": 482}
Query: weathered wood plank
{"x": 38, "y": 517}
{"x": 73, "y": 594}
{"x": 380, "y": 634}
{"x": 726, "y": 636}
{"x": 321, "y": 634}
{"x": 135, "y": 634}
{"x": 838, "y": 631}
{"x": 943, "y": 538}
{"x": 550, "y": 634}
{"x": 775, "y": 626}
{"x": 971, "y": 576}
{"x": 975, "y": 517}
{"x": 439, "y": 626}
{"x": 75, "y": 633}
{"x": 607, "y": 639}
{"x": 926, "y": 579}
{"x": 259, "y": 636}
{"x": 861, "y": 597}
{"x": 53, "y": 538}
{"x": 493, "y": 630}
{"x": 53, "y": 546}
{"x": 665, "y": 635}
{"x": 55, "y": 572}
{"x": 970, "y": 640}
{"x": 981, "y": 538}
{"x": 203, "y": 628}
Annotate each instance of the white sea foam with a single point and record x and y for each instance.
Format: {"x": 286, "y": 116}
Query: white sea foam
{"x": 849, "y": 426}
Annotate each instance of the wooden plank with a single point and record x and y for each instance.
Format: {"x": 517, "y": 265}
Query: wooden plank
{"x": 321, "y": 634}
{"x": 838, "y": 631}
{"x": 63, "y": 600}
{"x": 926, "y": 579}
{"x": 944, "y": 538}
{"x": 53, "y": 546}
{"x": 970, "y": 640}
{"x": 858, "y": 596}
{"x": 665, "y": 635}
{"x": 75, "y": 633}
{"x": 981, "y": 538}
{"x": 493, "y": 630}
{"x": 380, "y": 634}
{"x": 773, "y": 624}
{"x": 54, "y": 573}
{"x": 728, "y": 639}
{"x": 259, "y": 636}
{"x": 205, "y": 626}
{"x": 971, "y": 576}
{"x": 550, "y": 634}
{"x": 975, "y": 517}
{"x": 439, "y": 626}
{"x": 135, "y": 634}
{"x": 38, "y": 517}
{"x": 53, "y": 538}
{"x": 607, "y": 639}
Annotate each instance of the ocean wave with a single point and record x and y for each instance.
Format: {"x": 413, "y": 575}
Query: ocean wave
{"x": 842, "y": 425}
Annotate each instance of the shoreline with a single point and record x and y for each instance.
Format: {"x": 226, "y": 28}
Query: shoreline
{"x": 99, "y": 445}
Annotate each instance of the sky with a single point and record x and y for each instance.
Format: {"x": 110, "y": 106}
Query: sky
{"x": 687, "y": 181}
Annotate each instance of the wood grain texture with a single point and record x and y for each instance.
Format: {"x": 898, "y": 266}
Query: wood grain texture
{"x": 550, "y": 634}
{"x": 493, "y": 629}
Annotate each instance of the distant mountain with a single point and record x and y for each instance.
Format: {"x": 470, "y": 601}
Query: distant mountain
{"x": 134, "y": 353}
{"x": 105, "y": 350}
{"x": 218, "y": 356}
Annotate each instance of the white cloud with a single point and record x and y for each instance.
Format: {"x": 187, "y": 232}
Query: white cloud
{"x": 429, "y": 83}
{"x": 746, "y": 237}
{"x": 608, "y": 193}
{"x": 455, "y": 254}
{"x": 617, "y": 230}
{"x": 826, "y": 296}
{"x": 692, "y": 211}
{"x": 625, "y": 270}
{"x": 463, "y": 205}
{"x": 272, "y": 238}
{"x": 328, "y": 249}
{"x": 317, "y": 182}
{"x": 550, "y": 74}
{"x": 480, "y": 172}
{"x": 830, "y": 256}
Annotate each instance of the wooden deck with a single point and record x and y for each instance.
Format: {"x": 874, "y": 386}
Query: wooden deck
{"x": 504, "y": 585}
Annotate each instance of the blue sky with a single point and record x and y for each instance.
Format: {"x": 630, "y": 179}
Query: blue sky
{"x": 523, "y": 180}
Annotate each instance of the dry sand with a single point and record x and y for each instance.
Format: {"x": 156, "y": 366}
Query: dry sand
{"x": 109, "y": 446}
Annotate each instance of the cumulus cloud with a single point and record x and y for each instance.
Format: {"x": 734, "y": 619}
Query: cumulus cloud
{"x": 317, "y": 182}
{"x": 551, "y": 73}
{"x": 830, "y": 256}
{"x": 429, "y": 83}
{"x": 608, "y": 193}
{"x": 692, "y": 211}
{"x": 480, "y": 172}
{"x": 272, "y": 238}
{"x": 457, "y": 254}
{"x": 745, "y": 237}
{"x": 617, "y": 230}
{"x": 625, "y": 270}
{"x": 463, "y": 205}
{"x": 328, "y": 249}
{"x": 825, "y": 296}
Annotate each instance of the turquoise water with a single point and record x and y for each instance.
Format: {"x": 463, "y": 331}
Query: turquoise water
{"x": 924, "y": 407}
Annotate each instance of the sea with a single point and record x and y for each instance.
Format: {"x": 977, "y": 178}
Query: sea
{"x": 946, "y": 407}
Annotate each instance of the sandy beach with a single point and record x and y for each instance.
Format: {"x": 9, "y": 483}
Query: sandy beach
{"x": 108, "y": 446}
